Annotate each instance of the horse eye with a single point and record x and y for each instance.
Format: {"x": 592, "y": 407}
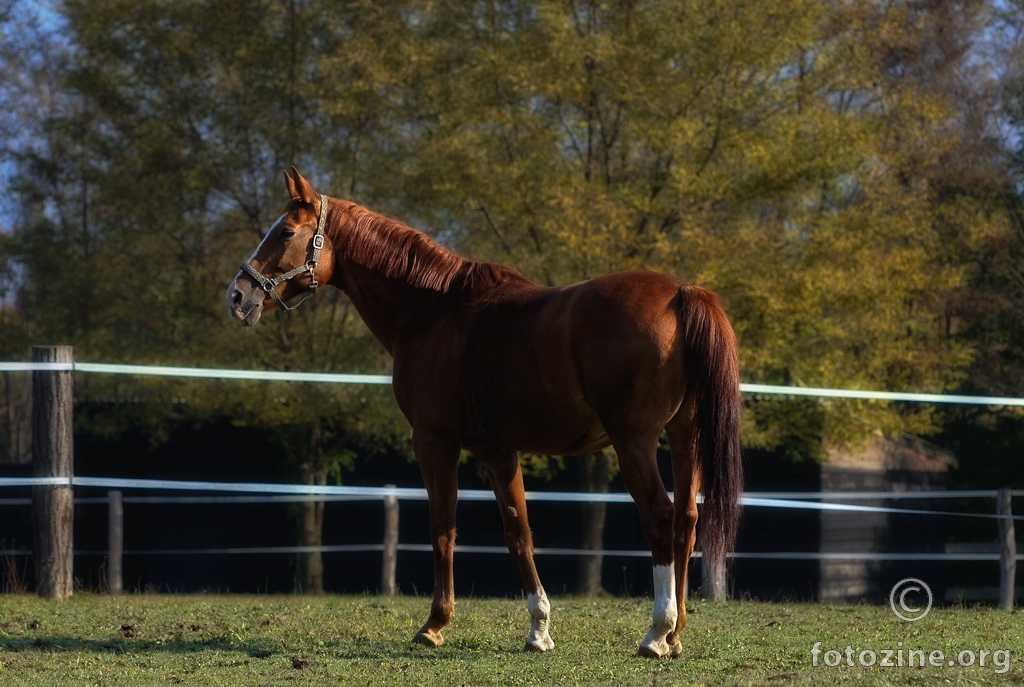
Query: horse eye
{"x": 288, "y": 233}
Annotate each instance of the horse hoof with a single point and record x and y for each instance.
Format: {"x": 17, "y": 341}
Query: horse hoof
{"x": 539, "y": 646}
{"x": 431, "y": 638}
{"x": 659, "y": 649}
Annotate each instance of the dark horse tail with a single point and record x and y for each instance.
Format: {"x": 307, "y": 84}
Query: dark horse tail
{"x": 713, "y": 386}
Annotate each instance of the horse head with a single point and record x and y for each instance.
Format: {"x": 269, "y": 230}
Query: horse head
{"x": 290, "y": 263}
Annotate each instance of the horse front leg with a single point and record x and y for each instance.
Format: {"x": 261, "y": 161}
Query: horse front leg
{"x": 438, "y": 457}
{"x": 506, "y": 479}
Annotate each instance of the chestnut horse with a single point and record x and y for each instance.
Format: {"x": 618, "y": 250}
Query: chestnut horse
{"x": 486, "y": 360}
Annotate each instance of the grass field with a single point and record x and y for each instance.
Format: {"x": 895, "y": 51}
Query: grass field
{"x": 364, "y": 640}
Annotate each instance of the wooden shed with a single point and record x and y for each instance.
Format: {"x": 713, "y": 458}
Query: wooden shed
{"x": 884, "y": 464}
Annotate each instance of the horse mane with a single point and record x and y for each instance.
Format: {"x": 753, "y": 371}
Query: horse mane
{"x": 398, "y": 251}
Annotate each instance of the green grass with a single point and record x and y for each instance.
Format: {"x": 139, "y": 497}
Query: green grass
{"x": 364, "y": 640}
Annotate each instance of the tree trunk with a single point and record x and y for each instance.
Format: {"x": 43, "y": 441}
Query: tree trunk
{"x": 310, "y": 572}
{"x": 595, "y": 469}
{"x": 17, "y": 405}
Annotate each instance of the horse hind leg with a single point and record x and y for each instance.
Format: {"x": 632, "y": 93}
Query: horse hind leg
{"x": 639, "y": 470}
{"x": 506, "y": 479}
{"x": 686, "y": 479}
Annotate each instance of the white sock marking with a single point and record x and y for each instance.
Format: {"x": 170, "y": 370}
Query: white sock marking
{"x": 666, "y": 610}
{"x": 540, "y": 611}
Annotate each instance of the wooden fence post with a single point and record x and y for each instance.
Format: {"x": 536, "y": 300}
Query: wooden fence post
{"x": 52, "y": 456}
{"x": 389, "y": 563}
{"x": 1007, "y": 550}
{"x": 115, "y": 541}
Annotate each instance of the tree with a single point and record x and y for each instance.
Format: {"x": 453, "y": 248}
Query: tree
{"x": 986, "y": 178}
{"x": 596, "y": 471}
{"x": 150, "y": 181}
{"x": 829, "y": 168}
{"x": 786, "y": 155}
{"x": 783, "y": 154}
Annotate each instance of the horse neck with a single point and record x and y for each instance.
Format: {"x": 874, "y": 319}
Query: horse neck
{"x": 386, "y": 305}
{"x": 392, "y": 274}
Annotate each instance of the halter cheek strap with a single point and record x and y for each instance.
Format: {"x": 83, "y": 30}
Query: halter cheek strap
{"x": 270, "y": 284}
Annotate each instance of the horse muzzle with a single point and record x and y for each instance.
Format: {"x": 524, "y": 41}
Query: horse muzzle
{"x": 245, "y": 301}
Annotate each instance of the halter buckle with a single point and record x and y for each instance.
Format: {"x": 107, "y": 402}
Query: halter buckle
{"x": 318, "y": 242}
{"x": 311, "y": 266}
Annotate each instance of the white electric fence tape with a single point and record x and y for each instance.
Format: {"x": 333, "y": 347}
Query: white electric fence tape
{"x": 410, "y": 494}
{"x": 789, "y": 500}
{"x": 336, "y": 378}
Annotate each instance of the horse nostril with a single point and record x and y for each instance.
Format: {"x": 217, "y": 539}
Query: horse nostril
{"x": 236, "y": 297}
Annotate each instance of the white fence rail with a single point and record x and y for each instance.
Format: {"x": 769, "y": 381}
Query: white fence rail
{"x": 308, "y": 492}
{"x": 338, "y": 378}
{"x": 285, "y": 493}
{"x": 820, "y": 501}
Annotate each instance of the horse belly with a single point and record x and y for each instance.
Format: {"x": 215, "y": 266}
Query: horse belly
{"x": 541, "y": 425}
{"x": 562, "y": 429}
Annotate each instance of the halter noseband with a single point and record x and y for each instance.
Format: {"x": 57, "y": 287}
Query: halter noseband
{"x": 270, "y": 285}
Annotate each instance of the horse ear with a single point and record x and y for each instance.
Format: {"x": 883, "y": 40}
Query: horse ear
{"x": 293, "y": 191}
{"x": 301, "y": 190}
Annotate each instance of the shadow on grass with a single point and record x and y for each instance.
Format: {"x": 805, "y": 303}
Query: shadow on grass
{"x": 458, "y": 648}
{"x": 50, "y": 644}
{"x": 354, "y": 649}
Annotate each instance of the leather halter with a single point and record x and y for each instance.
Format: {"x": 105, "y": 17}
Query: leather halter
{"x": 270, "y": 285}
